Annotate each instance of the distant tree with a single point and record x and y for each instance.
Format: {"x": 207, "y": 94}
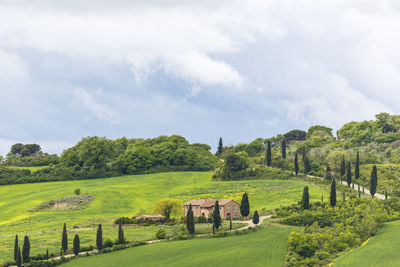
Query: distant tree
{"x": 295, "y": 135}
{"x": 357, "y": 167}
{"x": 16, "y": 247}
{"x": 373, "y": 181}
{"x": 19, "y": 259}
{"x": 306, "y": 162}
{"x": 16, "y": 150}
{"x": 99, "y": 238}
{"x": 230, "y": 223}
{"x": 328, "y": 173}
{"x": 322, "y": 198}
{"x": 283, "y": 147}
{"x": 220, "y": 148}
{"x": 217, "y": 222}
{"x": 342, "y": 168}
{"x": 348, "y": 174}
{"x": 64, "y": 239}
{"x": 385, "y": 194}
{"x": 332, "y": 199}
{"x": 256, "y": 219}
{"x": 305, "y": 200}
{"x": 245, "y": 205}
{"x": 296, "y": 164}
{"x": 47, "y": 254}
{"x": 77, "y": 245}
{"x": 121, "y": 237}
{"x": 344, "y": 197}
{"x": 190, "y": 220}
{"x": 268, "y": 156}
{"x": 77, "y": 191}
{"x": 26, "y": 250}
{"x": 167, "y": 207}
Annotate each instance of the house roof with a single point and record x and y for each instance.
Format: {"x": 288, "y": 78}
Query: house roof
{"x": 208, "y": 203}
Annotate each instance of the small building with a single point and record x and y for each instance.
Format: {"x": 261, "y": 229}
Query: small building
{"x": 148, "y": 217}
{"x": 202, "y": 207}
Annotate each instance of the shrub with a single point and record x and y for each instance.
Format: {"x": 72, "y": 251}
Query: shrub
{"x": 161, "y": 234}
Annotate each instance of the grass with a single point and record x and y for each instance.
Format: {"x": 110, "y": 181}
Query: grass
{"x": 266, "y": 247}
{"x": 32, "y": 168}
{"x": 381, "y": 250}
{"x": 123, "y": 196}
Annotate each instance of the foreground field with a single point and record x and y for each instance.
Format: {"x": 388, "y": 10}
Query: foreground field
{"x": 381, "y": 250}
{"x": 123, "y": 196}
{"x": 267, "y": 247}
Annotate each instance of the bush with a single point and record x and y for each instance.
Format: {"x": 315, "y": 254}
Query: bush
{"x": 161, "y": 234}
{"x": 108, "y": 243}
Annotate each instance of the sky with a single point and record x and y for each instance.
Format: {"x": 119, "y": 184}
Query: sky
{"x": 201, "y": 69}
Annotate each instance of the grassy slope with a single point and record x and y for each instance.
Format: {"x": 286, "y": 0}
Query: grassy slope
{"x": 381, "y": 250}
{"x": 266, "y": 247}
{"x": 122, "y": 196}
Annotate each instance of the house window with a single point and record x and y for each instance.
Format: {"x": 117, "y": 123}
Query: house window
{"x": 220, "y": 208}
{"x": 197, "y": 207}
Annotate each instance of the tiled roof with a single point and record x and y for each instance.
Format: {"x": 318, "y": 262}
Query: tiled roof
{"x": 208, "y": 203}
{"x": 195, "y": 202}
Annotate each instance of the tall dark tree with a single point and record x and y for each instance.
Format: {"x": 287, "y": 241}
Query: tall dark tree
{"x": 342, "y": 168}
{"x": 190, "y": 220}
{"x": 305, "y": 199}
{"x": 19, "y": 258}
{"x": 220, "y": 148}
{"x": 332, "y": 199}
{"x": 283, "y": 144}
{"x": 296, "y": 164}
{"x": 99, "y": 238}
{"x": 77, "y": 245}
{"x": 217, "y": 222}
{"x": 26, "y": 250}
{"x": 121, "y": 236}
{"x": 230, "y": 223}
{"x": 373, "y": 181}
{"x": 256, "y": 218}
{"x": 64, "y": 239}
{"x": 357, "y": 167}
{"x": 268, "y": 156}
{"x": 16, "y": 247}
{"x": 385, "y": 194}
{"x": 328, "y": 173}
{"x": 47, "y": 254}
{"x": 306, "y": 162}
{"x": 245, "y": 205}
{"x": 348, "y": 174}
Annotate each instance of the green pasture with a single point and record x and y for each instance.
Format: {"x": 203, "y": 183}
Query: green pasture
{"x": 123, "y": 196}
{"x": 381, "y": 250}
{"x": 266, "y": 247}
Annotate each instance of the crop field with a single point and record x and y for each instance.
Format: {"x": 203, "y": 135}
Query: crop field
{"x": 123, "y": 196}
{"x": 381, "y": 250}
{"x": 266, "y": 247}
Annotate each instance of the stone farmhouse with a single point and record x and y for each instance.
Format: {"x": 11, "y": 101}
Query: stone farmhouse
{"x": 203, "y": 207}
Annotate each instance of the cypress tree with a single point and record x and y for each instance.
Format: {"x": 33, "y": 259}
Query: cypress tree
{"x": 296, "y": 164}
{"x": 305, "y": 199}
{"x": 256, "y": 218}
{"x": 245, "y": 206}
{"x": 190, "y": 220}
{"x": 344, "y": 197}
{"x": 19, "y": 259}
{"x": 220, "y": 148}
{"x": 342, "y": 168}
{"x": 268, "y": 156}
{"x": 373, "y": 181}
{"x": 230, "y": 223}
{"x": 26, "y": 250}
{"x": 16, "y": 247}
{"x": 64, "y": 239}
{"x": 99, "y": 238}
{"x": 385, "y": 194}
{"x": 216, "y": 216}
{"x": 359, "y": 191}
{"x": 348, "y": 174}
{"x": 213, "y": 229}
{"x": 328, "y": 174}
{"x": 306, "y": 162}
{"x": 283, "y": 144}
{"x": 322, "y": 198}
{"x": 357, "y": 167}
{"x": 47, "y": 254}
{"x": 77, "y": 245}
{"x": 121, "y": 237}
{"x": 332, "y": 199}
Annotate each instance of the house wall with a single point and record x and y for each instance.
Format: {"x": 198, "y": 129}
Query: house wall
{"x": 196, "y": 210}
{"x": 233, "y": 209}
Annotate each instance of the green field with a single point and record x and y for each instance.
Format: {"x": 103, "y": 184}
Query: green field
{"x": 266, "y": 247}
{"x": 381, "y": 250}
{"x": 123, "y": 196}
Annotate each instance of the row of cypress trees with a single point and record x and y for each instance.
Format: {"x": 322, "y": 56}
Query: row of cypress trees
{"x": 23, "y": 257}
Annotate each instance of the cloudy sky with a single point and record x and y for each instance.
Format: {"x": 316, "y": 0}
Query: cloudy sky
{"x": 201, "y": 69}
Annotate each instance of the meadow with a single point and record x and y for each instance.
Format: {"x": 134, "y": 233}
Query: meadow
{"x": 381, "y": 250}
{"x": 123, "y": 196}
{"x": 266, "y": 247}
